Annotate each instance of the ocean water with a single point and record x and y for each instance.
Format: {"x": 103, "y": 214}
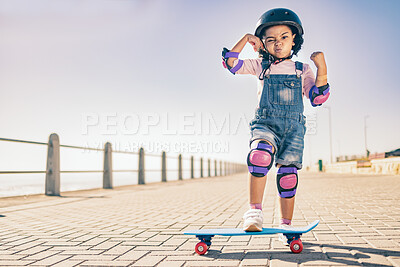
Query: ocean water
{"x": 33, "y": 158}
{"x": 28, "y": 184}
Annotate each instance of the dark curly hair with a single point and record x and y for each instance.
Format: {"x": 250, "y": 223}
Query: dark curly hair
{"x": 298, "y": 42}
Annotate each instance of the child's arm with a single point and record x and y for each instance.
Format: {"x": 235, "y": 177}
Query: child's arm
{"x": 320, "y": 92}
{"x": 319, "y": 61}
{"x": 247, "y": 38}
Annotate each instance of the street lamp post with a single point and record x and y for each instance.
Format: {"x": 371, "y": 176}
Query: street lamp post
{"x": 365, "y": 134}
{"x": 330, "y": 131}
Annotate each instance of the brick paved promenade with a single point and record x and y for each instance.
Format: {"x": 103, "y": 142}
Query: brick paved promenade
{"x": 142, "y": 225}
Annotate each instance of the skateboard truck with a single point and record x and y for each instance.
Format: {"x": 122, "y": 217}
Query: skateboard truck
{"x": 204, "y": 244}
{"x": 294, "y": 241}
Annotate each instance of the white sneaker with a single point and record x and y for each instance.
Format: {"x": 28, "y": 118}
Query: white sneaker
{"x": 253, "y": 220}
{"x": 281, "y": 236}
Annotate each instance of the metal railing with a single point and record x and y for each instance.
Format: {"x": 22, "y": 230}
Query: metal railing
{"x": 52, "y": 182}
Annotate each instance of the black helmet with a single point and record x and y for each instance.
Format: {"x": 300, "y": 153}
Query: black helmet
{"x": 278, "y": 16}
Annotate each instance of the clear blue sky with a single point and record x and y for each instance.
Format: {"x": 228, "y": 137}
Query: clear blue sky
{"x": 64, "y": 64}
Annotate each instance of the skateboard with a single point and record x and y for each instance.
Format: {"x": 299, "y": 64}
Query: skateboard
{"x": 293, "y": 236}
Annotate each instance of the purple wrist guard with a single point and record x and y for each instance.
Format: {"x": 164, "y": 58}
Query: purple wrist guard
{"x": 319, "y": 95}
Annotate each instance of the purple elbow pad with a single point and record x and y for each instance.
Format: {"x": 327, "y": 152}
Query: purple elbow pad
{"x": 227, "y": 54}
{"x": 319, "y": 95}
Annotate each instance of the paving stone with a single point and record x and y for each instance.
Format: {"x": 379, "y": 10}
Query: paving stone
{"x": 374, "y": 259}
{"x": 171, "y": 264}
{"x": 6, "y": 257}
{"x": 14, "y": 263}
{"x": 51, "y": 260}
{"x": 213, "y": 263}
{"x": 67, "y": 263}
{"x": 149, "y": 261}
{"x": 383, "y": 243}
{"x": 132, "y": 255}
{"x": 254, "y": 262}
{"x": 41, "y": 255}
{"x": 105, "y": 263}
{"x": 282, "y": 263}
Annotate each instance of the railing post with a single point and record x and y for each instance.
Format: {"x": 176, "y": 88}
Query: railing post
{"x": 163, "y": 167}
{"x": 220, "y": 168}
{"x": 209, "y": 168}
{"x": 215, "y": 167}
{"x": 225, "y": 168}
{"x": 191, "y": 167}
{"x": 52, "y": 187}
{"x": 180, "y": 167}
{"x": 107, "y": 171}
{"x": 141, "y": 177}
{"x": 201, "y": 167}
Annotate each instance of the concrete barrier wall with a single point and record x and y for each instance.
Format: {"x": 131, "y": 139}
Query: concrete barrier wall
{"x": 378, "y": 166}
{"x": 386, "y": 166}
{"x": 341, "y": 167}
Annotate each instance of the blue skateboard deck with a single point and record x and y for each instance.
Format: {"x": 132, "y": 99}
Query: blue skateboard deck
{"x": 293, "y": 235}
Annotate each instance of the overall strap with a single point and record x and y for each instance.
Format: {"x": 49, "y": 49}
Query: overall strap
{"x": 265, "y": 64}
{"x": 299, "y": 68}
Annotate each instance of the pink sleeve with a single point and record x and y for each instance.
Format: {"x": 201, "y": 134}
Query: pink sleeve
{"x": 250, "y": 66}
{"x": 308, "y": 80}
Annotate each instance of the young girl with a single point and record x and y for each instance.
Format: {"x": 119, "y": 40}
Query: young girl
{"x": 277, "y": 131}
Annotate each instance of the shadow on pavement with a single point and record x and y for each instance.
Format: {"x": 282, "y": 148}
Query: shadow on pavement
{"x": 83, "y": 197}
{"x": 309, "y": 255}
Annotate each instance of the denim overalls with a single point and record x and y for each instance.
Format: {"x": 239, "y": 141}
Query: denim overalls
{"x": 279, "y": 118}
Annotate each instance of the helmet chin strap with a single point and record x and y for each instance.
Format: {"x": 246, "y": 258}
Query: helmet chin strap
{"x": 278, "y": 60}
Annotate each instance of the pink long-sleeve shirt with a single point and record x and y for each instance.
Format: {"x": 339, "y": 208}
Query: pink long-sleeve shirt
{"x": 253, "y": 66}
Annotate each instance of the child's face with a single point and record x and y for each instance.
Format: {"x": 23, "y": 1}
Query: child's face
{"x": 278, "y": 40}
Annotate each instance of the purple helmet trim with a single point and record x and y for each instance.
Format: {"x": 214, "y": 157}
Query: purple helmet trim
{"x": 231, "y": 54}
{"x": 288, "y": 193}
{"x": 282, "y": 170}
{"x": 237, "y": 67}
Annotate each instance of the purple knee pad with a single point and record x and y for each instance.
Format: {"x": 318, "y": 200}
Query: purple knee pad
{"x": 286, "y": 180}
{"x": 260, "y": 158}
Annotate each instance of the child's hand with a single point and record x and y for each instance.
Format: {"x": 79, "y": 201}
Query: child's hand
{"x": 255, "y": 42}
{"x": 318, "y": 59}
